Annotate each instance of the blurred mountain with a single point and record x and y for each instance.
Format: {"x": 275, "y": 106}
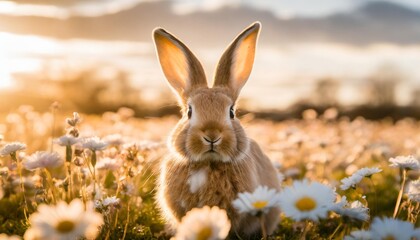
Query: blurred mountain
{"x": 373, "y": 22}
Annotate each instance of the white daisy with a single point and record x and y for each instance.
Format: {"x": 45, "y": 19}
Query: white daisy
{"x": 367, "y": 172}
{"x": 144, "y": 145}
{"x": 108, "y": 164}
{"x": 204, "y": 223}
{"x": 350, "y": 182}
{"x": 280, "y": 177}
{"x": 94, "y": 191}
{"x": 66, "y": 140}
{"x": 304, "y": 200}
{"x": 292, "y": 172}
{"x": 128, "y": 189}
{"x": 416, "y": 234}
{"x": 27, "y": 181}
{"x": 114, "y": 139}
{"x": 356, "y": 177}
{"x": 389, "y": 228}
{"x": 260, "y": 201}
{"x": 94, "y": 144}
{"x": 4, "y": 171}
{"x": 359, "y": 235}
{"x": 32, "y": 234}
{"x": 4, "y": 236}
{"x": 65, "y": 221}
{"x": 354, "y": 210}
{"x": 358, "y": 210}
{"x": 111, "y": 202}
{"x": 97, "y": 204}
{"x": 12, "y": 148}
{"x": 42, "y": 159}
{"x": 406, "y": 162}
{"x": 413, "y": 190}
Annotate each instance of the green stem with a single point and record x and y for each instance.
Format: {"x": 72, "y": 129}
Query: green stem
{"x": 116, "y": 219}
{"x": 94, "y": 183}
{"x": 416, "y": 212}
{"x": 69, "y": 156}
{"x": 117, "y": 193}
{"x": 93, "y": 172}
{"x": 110, "y": 227}
{"x": 126, "y": 223}
{"x": 93, "y": 160}
{"x": 119, "y": 185}
{"x": 305, "y": 230}
{"x": 51, "y": 183}
{"x": 375, "y": 204}
{"x": 263, "y": 230}
{"x": 107, "y": 234}
{"x": 69, "y": 153}
{"x": 400, "y": 194}
{"x": 335, "y": 231}
{"x": 52, "y": 129}
{"x": 70, "y": 177}
{"x": 22, "y": 184}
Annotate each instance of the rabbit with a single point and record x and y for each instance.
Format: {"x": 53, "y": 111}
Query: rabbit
{"x": 210, "y": 158}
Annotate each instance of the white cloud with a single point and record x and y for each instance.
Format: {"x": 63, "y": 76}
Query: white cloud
{"x": 284, "y": 8}
{"x": 188, "y": 6}
{"x": 11, "y": 8}
{"x": 281, "y": 8}
{"x": 100, "y": 7}
{"x": 90, "y": 8}
{"x": 290, "y": 8}
{"x": 409, "y": 3}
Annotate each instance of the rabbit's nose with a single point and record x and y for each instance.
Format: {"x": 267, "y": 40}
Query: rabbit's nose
{"x": 212, "y": 141}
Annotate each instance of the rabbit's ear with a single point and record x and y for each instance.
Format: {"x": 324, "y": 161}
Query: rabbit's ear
{"x": 236, "y": 62}
{"x": 181, "y": 68}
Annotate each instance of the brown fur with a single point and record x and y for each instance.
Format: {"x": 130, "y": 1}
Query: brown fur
{"x": 224, "y": 182}
{"x": 234, "y": 163}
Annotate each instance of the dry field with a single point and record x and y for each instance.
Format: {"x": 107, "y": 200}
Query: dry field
{"x": 94, "y": 177}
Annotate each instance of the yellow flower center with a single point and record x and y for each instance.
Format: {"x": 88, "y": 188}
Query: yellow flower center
{"x": 305, "y": 204}
{"x": 260, "y": 204}
{"x": 389, "y": 237}
{"x": 204, "y": 234}
{"x": 65, "y": 226}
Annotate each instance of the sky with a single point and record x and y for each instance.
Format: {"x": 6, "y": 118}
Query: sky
{"x": 281, "y": 8}
{"x": 288, "y": 71}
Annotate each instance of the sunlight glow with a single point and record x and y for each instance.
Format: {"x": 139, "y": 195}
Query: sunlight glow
{"x": 13, "y": 44}
{"x": 5, "y": 80}
{"x": 32, "y": 54}
{"x": 17, "y": 55}
{"x": 11, "y": 8}
{"x": 87, "y": 8}
{"x": 275, "y": 72}
{"x": 284, "y": 9}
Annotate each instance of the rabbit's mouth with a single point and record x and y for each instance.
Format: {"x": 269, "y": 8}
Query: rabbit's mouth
{"x": 211, "y": 154}
{"x": 211, "y": 151}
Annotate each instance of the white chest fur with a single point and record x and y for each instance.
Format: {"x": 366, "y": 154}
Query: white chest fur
{"x": 197, "y": 179}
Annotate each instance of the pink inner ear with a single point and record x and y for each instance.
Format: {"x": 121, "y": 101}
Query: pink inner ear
{"x": 181, "y": 68}
{"x": 243, "y": 60}
{"x": 173, "y": 61}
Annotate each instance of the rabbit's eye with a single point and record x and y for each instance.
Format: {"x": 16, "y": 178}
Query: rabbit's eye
{"x": 189, "y": 112}
{"x": 232, "y": 113}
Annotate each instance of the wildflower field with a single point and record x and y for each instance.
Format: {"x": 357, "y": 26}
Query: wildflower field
{"x": 71, "y": 176}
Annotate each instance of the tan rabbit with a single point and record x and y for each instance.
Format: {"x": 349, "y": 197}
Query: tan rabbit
{"x": 211, "y": 159}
